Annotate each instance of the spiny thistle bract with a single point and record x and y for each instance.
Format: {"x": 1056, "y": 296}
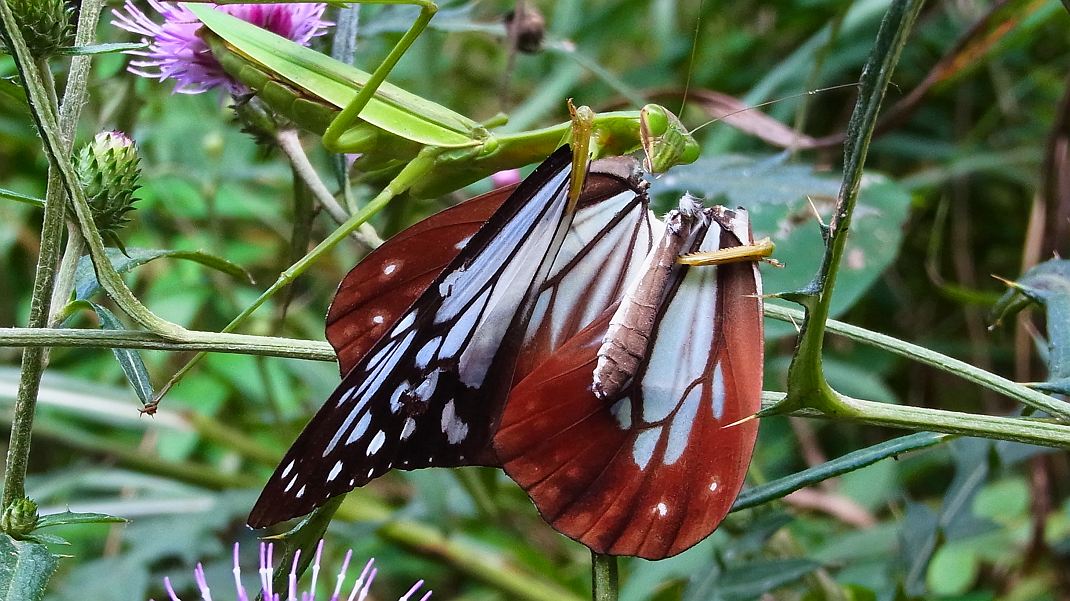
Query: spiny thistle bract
{"x": 109, "y": 170}
{"x": 19, "y": 518}
{"x": 44, "y": 24}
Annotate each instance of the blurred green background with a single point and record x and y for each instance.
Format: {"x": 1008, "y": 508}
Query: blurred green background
{"x": 956, "y": 191}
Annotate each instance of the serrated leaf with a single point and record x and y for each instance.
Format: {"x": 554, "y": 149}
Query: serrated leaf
{"x": 85, "y": 279}
{"x": 1046, "y": 284}
{"x": 129, "y": 359}
{"x": 46, "y": 539}
{"x": 25, "y": 568}
{"x": 777, "y": 196}
{"x": 69, "y": 517}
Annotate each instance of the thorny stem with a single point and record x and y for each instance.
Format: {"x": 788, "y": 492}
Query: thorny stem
{"x": 807, "y": 386}
{"x": 34, "y": 359}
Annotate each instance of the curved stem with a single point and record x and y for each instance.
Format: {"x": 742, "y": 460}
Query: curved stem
{"x": 1032, "y": 431}
{"x": 289, "y": 142}
{"x": 807, "y": 385}
{"x": 1022, "y": 394}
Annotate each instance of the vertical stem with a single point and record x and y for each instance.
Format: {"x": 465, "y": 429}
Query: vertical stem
{"x": 806, "y": 380}
{"x": 604, "y": 577}
{"x": 34, "y": 359}
{"x": 65, "y": 279}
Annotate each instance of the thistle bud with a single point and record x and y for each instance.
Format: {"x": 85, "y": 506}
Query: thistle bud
{"x": 109, "y": 170}
{"x": 44, "y": 24}
{"x": 19, "y": 518}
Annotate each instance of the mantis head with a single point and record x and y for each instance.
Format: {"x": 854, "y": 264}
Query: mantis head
{"x": 665, "y": 139}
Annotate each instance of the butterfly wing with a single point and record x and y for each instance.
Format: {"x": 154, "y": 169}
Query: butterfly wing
{"x": 654, "y": 470}
{"x": 376, "y": 293}
{"x": 610, "y": 234}
{"x": 427, "y": 392}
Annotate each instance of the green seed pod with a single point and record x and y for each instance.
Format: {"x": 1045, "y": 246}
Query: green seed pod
{"x": 109, "y": 169}
{"x": 19, "y": 518}
{"x": 45, "y": 24}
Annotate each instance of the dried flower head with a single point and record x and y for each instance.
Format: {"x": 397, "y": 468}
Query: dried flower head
{"x": 176, "y": 51}
{"x": 358, "y": 592}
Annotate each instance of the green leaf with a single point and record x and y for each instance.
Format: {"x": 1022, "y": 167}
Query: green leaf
{"x": 1003, "y": 501}
{"x": 23, "y": 198}
{"x": 95, "y": 49}
{"x": 752, "y": 580}
{"x": 953, "y": 570}
{"x": 69, "y": 517}
{"x": 129, "y": 359}
{"x": 830, "y": 469}
{"x": 85, "y": 278}
{"x": 1047, "y": 284}
{"x": 777, "y": 195}
{"x": 25, "y": 568}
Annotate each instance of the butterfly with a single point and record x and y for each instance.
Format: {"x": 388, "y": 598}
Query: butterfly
{"x": 428, "y": 357}
{"x": 621, "y": 437}
{"x": 606, "y": 251}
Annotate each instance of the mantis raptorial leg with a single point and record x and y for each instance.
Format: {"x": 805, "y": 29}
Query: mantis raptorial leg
{"x": 440, "y": 150}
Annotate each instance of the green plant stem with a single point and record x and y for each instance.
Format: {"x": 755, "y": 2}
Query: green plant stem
{"x": 198, "y": 341}
{"x": 289, "y": 142}
{"x": 604, "y": 581}
{"x": 807, "y": 385}
{"x": 44, "y": 116}
{"x": 65, "y": 279}
{"x": 1022, "y": 394}
{"x": 409, "y": 175}
{"x": 35, "y": 359}
{"x": 1032, "y": 431}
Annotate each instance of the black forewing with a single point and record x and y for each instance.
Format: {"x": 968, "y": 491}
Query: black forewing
{"x": 426, "y": 393}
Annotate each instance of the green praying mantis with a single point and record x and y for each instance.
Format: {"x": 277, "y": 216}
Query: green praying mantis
{"x": 428, "y": 149}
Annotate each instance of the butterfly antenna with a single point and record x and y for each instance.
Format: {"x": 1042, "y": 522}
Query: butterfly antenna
{"x": 774, "y": 101}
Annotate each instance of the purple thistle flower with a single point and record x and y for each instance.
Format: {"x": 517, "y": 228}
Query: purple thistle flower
{"x": 176, "y": 51}
{"x": 266, "y": 573}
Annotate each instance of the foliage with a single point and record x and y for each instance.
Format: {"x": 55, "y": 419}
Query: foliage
{"x": 955, "y": 175}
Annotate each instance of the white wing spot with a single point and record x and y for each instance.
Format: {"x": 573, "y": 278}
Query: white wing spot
{"x": 370, "y": 472}
{"x": 395, "y": 398}
{"x": 390, "y": 268}
{"x": 452, "y": 426}
{"x": 377, "y": 319}
{"x": 352, "y": 481}
{"x": 301, "y": 492}
{"x": 406, "y": 430}
{"x": 289, "y": 467}
{"x": 376, "y": 443}
{"x": 713, "y": 486}
{"x": 291, "y": 484}
{"x": 662, "y": 509}
{"x": 335, "y": 471}
{"x": 460, "y": 245}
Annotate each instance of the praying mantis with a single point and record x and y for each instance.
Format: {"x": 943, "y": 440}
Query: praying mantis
{"x": 428, "y": 149}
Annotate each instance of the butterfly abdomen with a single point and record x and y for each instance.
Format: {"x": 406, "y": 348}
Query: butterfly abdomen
{"x": 628, "y": 337}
